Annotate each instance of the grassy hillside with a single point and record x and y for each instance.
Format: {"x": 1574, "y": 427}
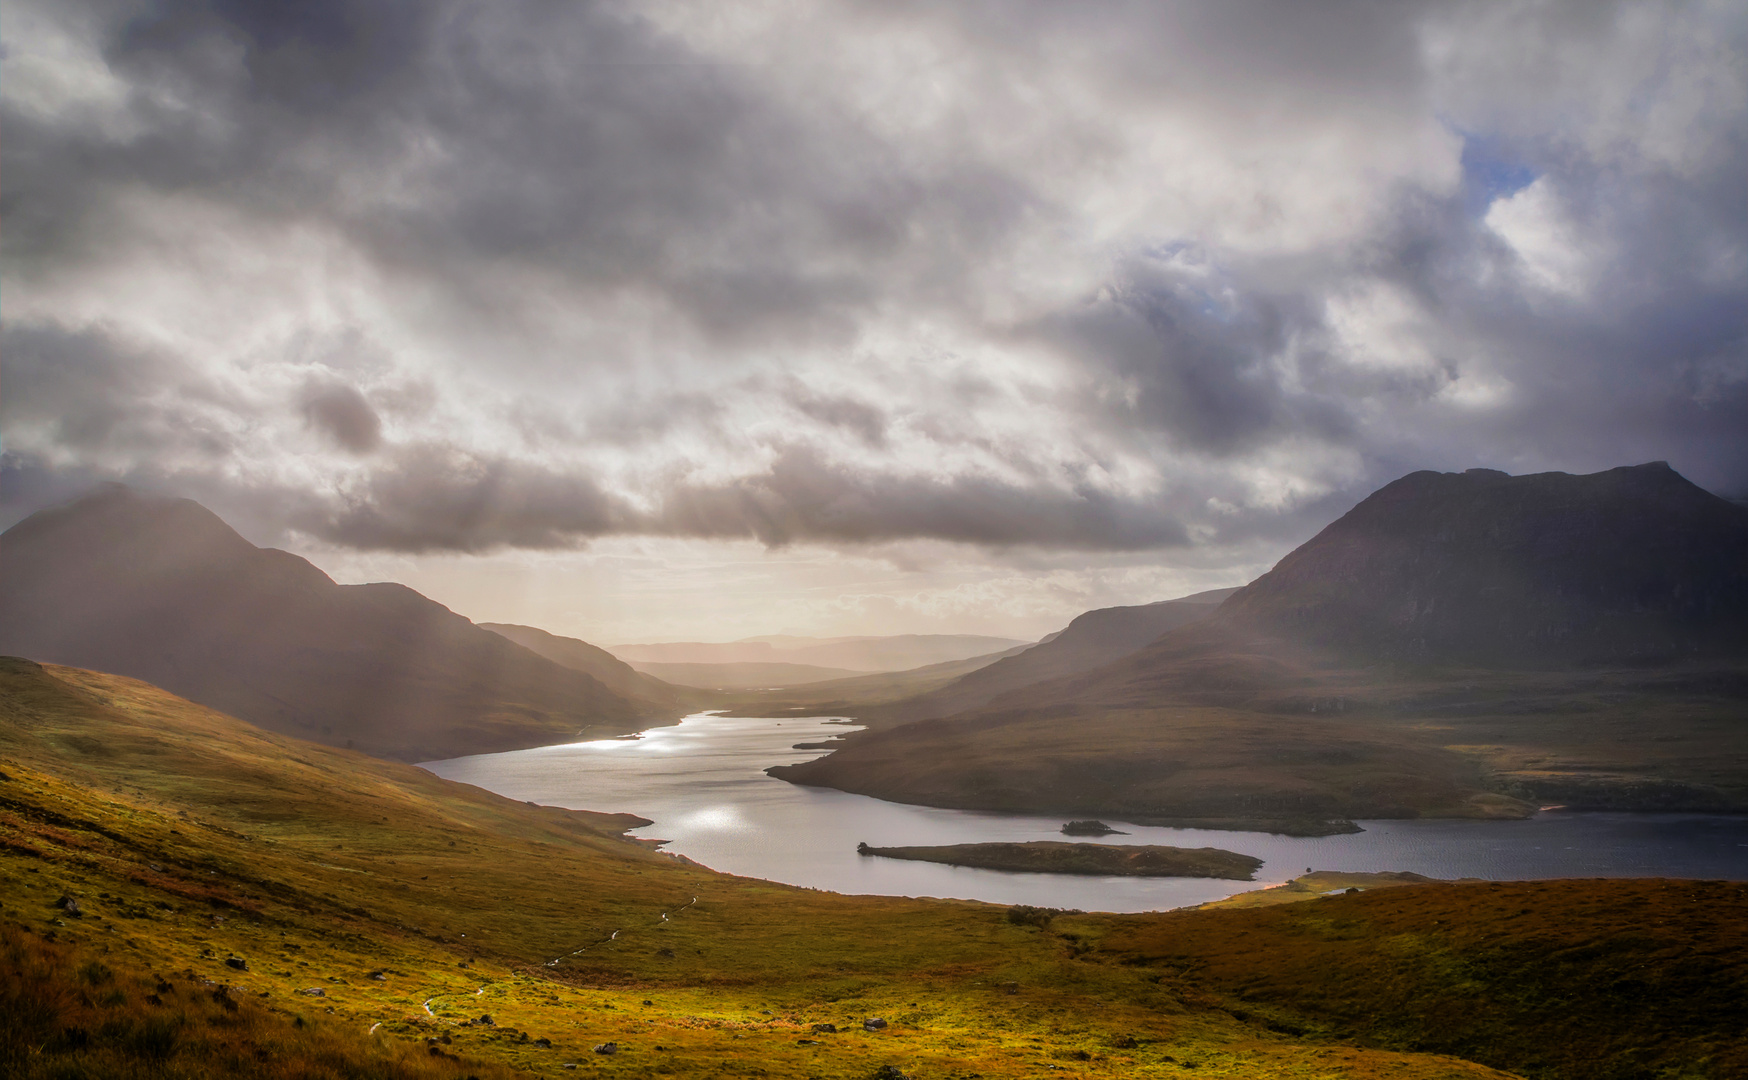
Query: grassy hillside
{"x": 1196, "y": 729}
{"x": 211, "y": 862}
{"x": 1211, "y": 767}
{"x": 1599, "y": 980}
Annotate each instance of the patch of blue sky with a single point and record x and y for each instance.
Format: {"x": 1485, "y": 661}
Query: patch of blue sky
{"x": 1492, "y": 169}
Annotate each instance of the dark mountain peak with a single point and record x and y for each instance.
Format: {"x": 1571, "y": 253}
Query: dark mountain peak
{"x": 115, "y": 513}
{"x": 1479, "y": 566}
{"x": 161, "y": 589}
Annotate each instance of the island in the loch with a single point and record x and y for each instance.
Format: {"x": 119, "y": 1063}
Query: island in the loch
{"x": 1103, "y": 860}
{"x": 1090, "y": 828}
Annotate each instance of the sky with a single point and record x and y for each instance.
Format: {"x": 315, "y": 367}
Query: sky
{"x": 681, "y": 320}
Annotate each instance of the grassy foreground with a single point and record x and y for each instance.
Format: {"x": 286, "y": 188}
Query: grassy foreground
{"x": 174, "y": 885}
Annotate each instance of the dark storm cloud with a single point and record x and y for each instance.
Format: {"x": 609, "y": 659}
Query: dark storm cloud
{"x": 342, "y": 413}
{"x": 637, "y": 244}
{"x": 800, "y": 498}
{"x": 433, "y": 500}
{"x": 88, "y": 394}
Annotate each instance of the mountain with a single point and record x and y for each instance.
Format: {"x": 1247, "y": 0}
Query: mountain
{"x": 1091, "y": 641}
{"x": 898, "y": 652}
{"x": 1465, "y": 644}
{"x": 861, "y": 693}
{"x": 612, "y": 672}
{"x": 747, "y": 675}
{"x": 163, "y": 590}
{"x": 1631, "y": 565}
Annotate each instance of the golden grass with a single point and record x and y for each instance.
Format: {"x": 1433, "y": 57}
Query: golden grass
{"x": 417, "y": 906}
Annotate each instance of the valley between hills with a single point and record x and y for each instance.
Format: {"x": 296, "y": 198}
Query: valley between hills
{"x": 216, "y": 858}
{"x": 186, "y": 895}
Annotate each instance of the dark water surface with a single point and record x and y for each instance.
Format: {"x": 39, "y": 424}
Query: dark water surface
{"x": 703, "y": 783}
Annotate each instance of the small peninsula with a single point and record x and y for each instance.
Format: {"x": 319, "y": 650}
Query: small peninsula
{"x": 1100, "y": 860}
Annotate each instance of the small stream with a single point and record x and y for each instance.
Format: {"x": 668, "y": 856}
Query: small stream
{"x": 702, "y": 781}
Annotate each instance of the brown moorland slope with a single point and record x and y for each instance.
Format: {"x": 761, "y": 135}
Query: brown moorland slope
{"x": 219, "y": 873}
{"x": 1588, "y": 980}
{"x": 158, "y": 859}
{"x": 162, "y": 590}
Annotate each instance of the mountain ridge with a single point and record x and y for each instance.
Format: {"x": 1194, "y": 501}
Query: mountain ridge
{"x": 1353, "y": 679}
{"x": 163, "y": 590}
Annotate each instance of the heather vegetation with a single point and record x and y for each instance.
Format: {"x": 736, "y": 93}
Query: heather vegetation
{"x": 308, "y": 911}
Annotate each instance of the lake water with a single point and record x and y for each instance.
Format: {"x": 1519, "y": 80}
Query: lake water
{"x": 702, "y": 781}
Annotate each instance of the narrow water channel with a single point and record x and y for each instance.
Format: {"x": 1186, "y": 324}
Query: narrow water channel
{"x": 702, "y": 781}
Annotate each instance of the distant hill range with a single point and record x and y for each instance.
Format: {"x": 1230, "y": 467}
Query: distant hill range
{"x": 849, "y": 655}
{"x": 162, "y": 590}
{"x": 612, "y": 672}
{"x": 1458, "y": 644}
{"x": 1088, "y": 643}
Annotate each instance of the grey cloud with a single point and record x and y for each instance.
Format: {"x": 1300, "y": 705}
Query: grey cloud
{"x": 801, "y": 498}
{"x": 506, "y": 161}
{"x": 89, "y": 393}
{"x": 437, "y": 498}
{"x": 343, "y": 415}
{"x": 867, "y": 421}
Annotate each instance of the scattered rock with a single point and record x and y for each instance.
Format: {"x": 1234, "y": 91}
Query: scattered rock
{"x": 890, "y": 1072}
{"x": 607, "y": 1048}
{"x": 1010, "y": 988}
{"x": 828, "y": 1029}
{"x": 1125, "y": 1042}
{"x": 314, "y": 991}
{"x": 544, "y": 1044}
{"x": 237, "y": 963}
{"x": 70, "y": 906}
{"x": 873, "y": 1023}
{"x": 379, "y": 975}
{"x": 154, "y": 868}
{"x": 808, "y": 1042}
{"x": 486, "y": 1020}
